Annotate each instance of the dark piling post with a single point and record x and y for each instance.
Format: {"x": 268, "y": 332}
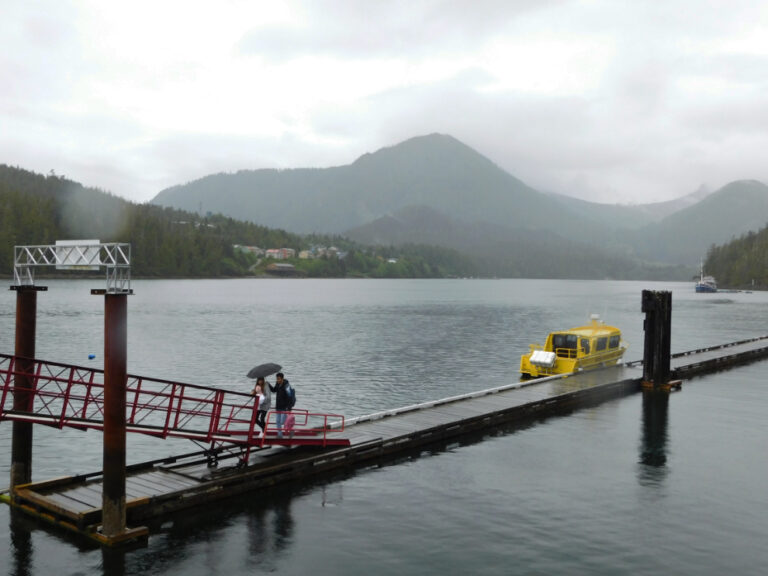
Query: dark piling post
{"x": 657, "y": 306}
{"x": 23, "y": 386}
{"x": 115, "y": 373}
{"x": 113, "y": 514}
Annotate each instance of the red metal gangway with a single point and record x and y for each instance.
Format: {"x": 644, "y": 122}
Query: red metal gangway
{"x": 63, "y": 395}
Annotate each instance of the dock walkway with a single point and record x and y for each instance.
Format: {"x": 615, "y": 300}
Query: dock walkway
{"x": 156, "y": 488}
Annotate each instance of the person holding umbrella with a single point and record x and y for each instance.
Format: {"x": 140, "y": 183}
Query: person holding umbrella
{"x": 260, "y": 372}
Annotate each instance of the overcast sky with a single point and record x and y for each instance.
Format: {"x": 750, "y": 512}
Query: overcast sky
{"x": 611, "y": 101}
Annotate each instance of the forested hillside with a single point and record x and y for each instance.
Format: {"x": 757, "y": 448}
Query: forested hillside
{"x": 500, "y": 251}
{"x": 436, "y": 171}
{"x": 166, "y": 242}
{"x": 741, "y": 263}
{"x": 400, "y": 194}
{"x": 734, "y": 209}
{"x": 38, "y": 210}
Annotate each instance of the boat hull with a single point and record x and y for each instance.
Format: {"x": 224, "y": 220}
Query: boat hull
{"x": 568, "y": 365}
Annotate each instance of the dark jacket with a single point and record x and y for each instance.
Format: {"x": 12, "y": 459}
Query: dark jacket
{"x": 282, "y": 400}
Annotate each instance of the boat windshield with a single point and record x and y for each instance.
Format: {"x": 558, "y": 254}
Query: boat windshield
{"x": 564, "y": 341}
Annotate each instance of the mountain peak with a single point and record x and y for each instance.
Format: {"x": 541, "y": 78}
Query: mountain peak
{"x": 432, "y": 146}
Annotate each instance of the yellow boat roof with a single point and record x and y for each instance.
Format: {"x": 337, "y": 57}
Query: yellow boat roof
{"x": 596, "y": 328}
{"x": 601, "y": 330}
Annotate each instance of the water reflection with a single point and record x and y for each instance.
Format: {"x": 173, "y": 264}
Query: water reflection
{"x": 653, "y": 447}
{"x": 264, "y": 519}
{"x": 113, "y": 561}
{"x": 21, "y": 544}
{"x": 270, "y": 528}
{"x": 282, "y": 523}
{"x": 258, "y": 533}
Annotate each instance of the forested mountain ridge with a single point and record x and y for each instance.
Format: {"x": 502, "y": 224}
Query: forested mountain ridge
{"x": 686, "y": 235}
{"x": 375, "y": 198}
{"x": 165, "y": 242}
{"x": 635, "y": 216}
{"x": 415, "y": 241}
{"x": 512, "y": 253}
{"x": 741, "y": 263}
{"x": 436, "y": 171}
{"x": 38, "y": 210}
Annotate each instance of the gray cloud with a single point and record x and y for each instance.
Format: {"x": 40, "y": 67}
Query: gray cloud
{"x": 350, "y": 29}
{"x": 611, "y": 101}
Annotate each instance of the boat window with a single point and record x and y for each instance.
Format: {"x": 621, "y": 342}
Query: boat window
{"x": 585, "y": 345}
{"x": 564, "y": 340}
{"x": 614, "y": 343}
{"x": 601, "y": 343}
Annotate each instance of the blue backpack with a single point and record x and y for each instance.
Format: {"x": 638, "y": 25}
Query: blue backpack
{"x": 291, "y": 396}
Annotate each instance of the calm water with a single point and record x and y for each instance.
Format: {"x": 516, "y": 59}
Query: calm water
{"x": 633, "y": 486}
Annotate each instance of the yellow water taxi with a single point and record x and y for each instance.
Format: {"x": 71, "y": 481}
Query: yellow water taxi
{"x": 580, "y": 348}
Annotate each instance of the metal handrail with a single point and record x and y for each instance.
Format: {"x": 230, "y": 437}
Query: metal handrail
{"x": 73, "y": 396}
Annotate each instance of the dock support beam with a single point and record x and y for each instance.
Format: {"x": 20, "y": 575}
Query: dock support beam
{"x": 26, "y": 327}
{"x": 657, "y": 306}
{"x": 115, "y": 374}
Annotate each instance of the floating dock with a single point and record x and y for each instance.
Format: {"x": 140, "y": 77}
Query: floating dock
{"x": 156, "y": 488}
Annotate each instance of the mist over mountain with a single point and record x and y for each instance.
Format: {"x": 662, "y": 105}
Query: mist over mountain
{"x": 511, "y": 252}
{"x": 687, "y": 235}
{"x": 436, "y": 171}
{"x": 436, "y": 190}
{"x": 446, "y": 207}
{"x": 632, "y": 216}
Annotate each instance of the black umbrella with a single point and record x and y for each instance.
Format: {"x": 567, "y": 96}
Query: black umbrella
{"x": 264, "y": 370}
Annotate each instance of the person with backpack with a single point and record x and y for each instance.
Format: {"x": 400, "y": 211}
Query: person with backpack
{"x": 285, "y": 398}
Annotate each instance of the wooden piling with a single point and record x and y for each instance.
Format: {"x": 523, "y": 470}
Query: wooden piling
{"x": 115, "y": 372}
{"x": 26, "y": 327}
{"x": 657, "y": 306}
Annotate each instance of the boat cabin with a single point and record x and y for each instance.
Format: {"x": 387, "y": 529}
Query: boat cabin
{"x": 569, "y": 345}
{"x": 579, "y": 348}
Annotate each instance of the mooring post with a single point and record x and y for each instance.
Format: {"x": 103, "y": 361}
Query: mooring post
{"x": 657, "y": 306}
{"x": 115, "y": 373}
{"x": 23, "y": 383}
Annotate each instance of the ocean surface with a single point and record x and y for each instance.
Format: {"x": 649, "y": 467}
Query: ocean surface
{"x": 633, "y": 486}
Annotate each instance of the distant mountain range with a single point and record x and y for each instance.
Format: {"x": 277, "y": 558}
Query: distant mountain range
{"x": 436, "y": 190}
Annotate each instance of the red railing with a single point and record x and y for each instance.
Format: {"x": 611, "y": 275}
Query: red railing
{"x": 73, "y": 396}
{"x": 304, "y": 424}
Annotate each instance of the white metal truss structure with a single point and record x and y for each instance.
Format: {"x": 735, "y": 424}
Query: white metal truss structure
{"x": 115, "y": 257}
